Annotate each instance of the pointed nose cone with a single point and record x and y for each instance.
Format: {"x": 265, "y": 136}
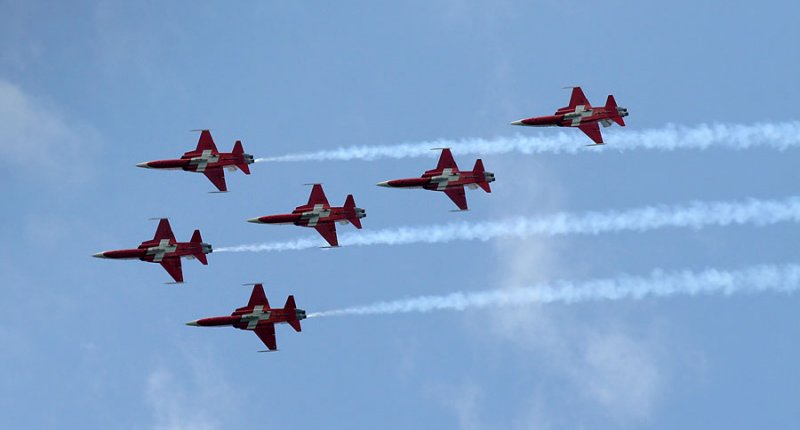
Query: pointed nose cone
{"x": 518, "y": 122}
{"x": 145, "y": 165}
{"x": 383, "y": 184}
{"x": 100, "y": 255}
{"x": 254, "y": 220}
{"x": 193, "y": 323}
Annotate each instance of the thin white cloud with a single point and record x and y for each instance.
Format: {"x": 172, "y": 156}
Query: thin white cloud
{"x": 578, "y": 354}
{"x": 38, "y": 140}
{"x": 194, "y": 397}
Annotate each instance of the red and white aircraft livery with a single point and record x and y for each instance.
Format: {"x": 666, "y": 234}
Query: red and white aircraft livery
{"x": 581, "y": 114}
{"x": 317, "y": 213}
{"x": 206, "y": 159}
{"x": 259, "y": 317}
{"x": 447, "y": 178}
{"x": 165, "y": 250}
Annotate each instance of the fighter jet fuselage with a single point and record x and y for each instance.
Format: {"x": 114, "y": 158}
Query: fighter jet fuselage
{"x": 164, "y": 249}
{"x": 446, "y": 177}
{"x": 582, "y": 115}
{"x": 155, "y": 251}
{"x": 206, "y": 159}
{"x": 310, "y": 216}
{"x": 319, "y": 214}
{"x": 249, "y": 318}
{"x": 200, "y": 161}
{"x": 259, "y": 317}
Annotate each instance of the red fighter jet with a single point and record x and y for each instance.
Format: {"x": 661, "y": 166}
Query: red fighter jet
{"x": 317, "y": 213}
{"x": 207, "y": 160}
{"x": 581, "y": 114}
{"x": 447, "y": 178}
{"x": 165, "y": 250}
{"x": 259, "y": 317}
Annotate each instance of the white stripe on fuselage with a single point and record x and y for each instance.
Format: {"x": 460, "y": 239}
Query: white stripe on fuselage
{"x": 162, "y": 249}
{"x": 445, "y": 178}
{"x": 313, "y": 216}
{"x": 204, "y": 159}
{"x": 258, "y": 314}
{"x": 578, "y": 115}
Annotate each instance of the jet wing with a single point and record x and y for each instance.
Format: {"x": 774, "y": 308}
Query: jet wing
{"x": 592, "y": 129}
{"x": 266, "y": 332}
{"x": 217, "y": 177}
{"x": 578, "y": 99}
{"x": 258, "y": 298}
{"x": 173, "y": 266}
{"x": 446, "y": 160}
{"x": 164, "y": 231}
{"x": 317, "y": 196}
{"x": 458, "y": 196}
{"x": 328, "y": 231}
{"x": 206, "y": 142}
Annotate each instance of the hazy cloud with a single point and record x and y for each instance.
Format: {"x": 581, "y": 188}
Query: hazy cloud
{"x": 37, "y": 139}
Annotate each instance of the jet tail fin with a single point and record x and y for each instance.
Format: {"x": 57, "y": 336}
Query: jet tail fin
{"x": 196, "y": 239}
{"x": 611, "y": 106}
{"x": 480, "y": 171}
{"x": 350, "y": 205}
{"x": 291, "y": 306}
{"x": 238, "y": 149}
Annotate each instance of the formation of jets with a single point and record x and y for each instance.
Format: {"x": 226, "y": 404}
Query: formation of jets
{"x": 317, "y": 213}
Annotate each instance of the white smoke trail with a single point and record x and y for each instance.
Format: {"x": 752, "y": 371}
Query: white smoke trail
{"x": 756, "y": 279}
{"x": 780, "y": 136}
{"x": 694, "y": 215}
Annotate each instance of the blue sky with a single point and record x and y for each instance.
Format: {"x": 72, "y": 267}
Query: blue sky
{"x": 89, "y": 89}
